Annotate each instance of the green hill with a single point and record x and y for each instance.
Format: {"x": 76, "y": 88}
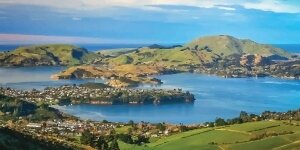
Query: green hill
{"x": 205, "y": 50}
{"x": 12, "y": 108}
{"x": 225, "y": 45}
{"x": 46, "y": 55}
{"x": 13, "y": 140}
{"x": 220, "y": 55}
{"x": 202, "y": 51}
{"x": 272, "y": 135}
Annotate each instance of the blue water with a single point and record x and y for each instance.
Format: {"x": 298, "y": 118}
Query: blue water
{"x": 292, "y": 48}
{"x": 215, "y": 96}
{"x": 90, "y": 47}
{"x": 27, "y": 78}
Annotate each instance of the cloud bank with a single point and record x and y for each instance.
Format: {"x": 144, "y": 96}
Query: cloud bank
{"x": 49, "y": 39}
{"x": 277, "y": 6}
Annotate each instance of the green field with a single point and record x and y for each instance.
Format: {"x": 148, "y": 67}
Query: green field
{"x": 234, "y": 137}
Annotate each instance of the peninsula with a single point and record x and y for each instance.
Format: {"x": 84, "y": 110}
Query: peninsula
{"x": 220, "y": 55}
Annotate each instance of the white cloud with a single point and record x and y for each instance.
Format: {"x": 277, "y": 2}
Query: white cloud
{"x": 226, "y": 8}
{"x": 274, "y": 6}
{"x": 45, "y": 39}
{"x": 89, "y": 5}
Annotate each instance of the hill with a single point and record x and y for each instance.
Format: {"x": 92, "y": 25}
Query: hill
{"x": 12, "y": 108}
{"x": 202, "y": 51}
{"x": 13, "y": 140}
{"x": 254, "y": 135}
{"x": 46, "y": 55}
{"x": 219, "y": 55}
{"x": 226, "y": 45}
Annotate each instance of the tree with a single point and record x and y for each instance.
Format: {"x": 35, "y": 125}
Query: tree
{"x": 220, "y": 122}
{"x": 141, "y": 140}
{"x": 125, "y": 138}
{"x": 101, "y": 143}
{"x": 131, "y": 123}
{"x": 160, "y": 127}
{"x": 182, "y": 128}
{"x": 64, "y": 101}
{"x": 129, "y": 130}
{"x": 114, "y": 145}
{"x": 44, "y": 106}
{"x": 86, "y": 138}
{"x": 105, "y": 121}
{"x": 244, "y": 116}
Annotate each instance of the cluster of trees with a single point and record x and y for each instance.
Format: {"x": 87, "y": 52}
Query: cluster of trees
{"x": 129, "y": 139}
{"x": 101, "y": 142}
{"x": 266, "y": 134}
{"x": 14, "y": 108}
{"x": 243, "y": 118}
{"x": 110, "y": 142}
{"x": 267, "y": 115}
{"x": 64, "y": 101}
{"x": 11, "y": 139}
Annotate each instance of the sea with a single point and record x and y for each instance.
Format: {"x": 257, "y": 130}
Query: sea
{"x": 215, "y": 96}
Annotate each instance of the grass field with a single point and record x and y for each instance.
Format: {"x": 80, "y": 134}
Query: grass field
{"x": 234, "y": 137}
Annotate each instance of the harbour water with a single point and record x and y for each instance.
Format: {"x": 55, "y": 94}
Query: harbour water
{"x": 215, "y": 96}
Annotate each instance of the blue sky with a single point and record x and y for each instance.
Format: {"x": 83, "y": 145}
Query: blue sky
{"x": 147, "y": 21}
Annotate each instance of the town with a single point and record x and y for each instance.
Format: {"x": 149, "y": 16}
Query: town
{"x": 66, "y": 95}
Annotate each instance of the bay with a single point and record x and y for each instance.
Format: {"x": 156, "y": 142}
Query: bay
{"x": 215, "y": 96}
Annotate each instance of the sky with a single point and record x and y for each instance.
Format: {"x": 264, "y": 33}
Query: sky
{"x": 147, "y": 21}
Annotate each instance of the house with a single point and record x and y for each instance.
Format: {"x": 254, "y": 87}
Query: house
{"x": 34, "y": 125}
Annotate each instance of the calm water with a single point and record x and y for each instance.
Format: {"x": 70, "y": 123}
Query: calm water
{"x": 90, "y": 47}
{"x": 26, "y": 78}
{"x": 216, "y": 97}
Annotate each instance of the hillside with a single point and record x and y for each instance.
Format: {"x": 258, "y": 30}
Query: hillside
{"x": 225, "y": 45}
{"x": 12, "y": 108}
{"x": 46, "y": 55}
{"x": 13, "y": 140}
{"x": 254, "y": 135}
{"x": 202, "y": 51}
{"x": 219, "y": 55}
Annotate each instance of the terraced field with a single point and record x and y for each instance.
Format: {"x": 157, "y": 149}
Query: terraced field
{"x": 278, "y": 135}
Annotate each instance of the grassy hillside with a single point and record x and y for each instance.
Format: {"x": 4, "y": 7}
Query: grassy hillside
{"x": 47, "y": 55}
{"x": 254, "y": 135}
{"x": 12, "y": 140}
{"x": 206, "y": 50}
{"x": 12, "y": 108}
{"x": 228, "y": 45}
{"x": 202, "y": 51}
{"x": 165, "y": 57}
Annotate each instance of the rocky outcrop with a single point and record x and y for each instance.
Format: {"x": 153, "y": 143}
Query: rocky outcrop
{"x": 118, "y": 76}
{"x": 250, "y": 60}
